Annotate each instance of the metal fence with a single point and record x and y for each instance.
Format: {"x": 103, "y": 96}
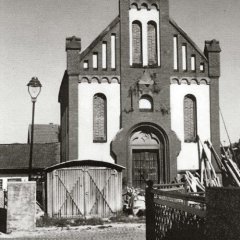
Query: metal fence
{"x": 3, "y": 211}
{"x": 173, "y": 214}
{"x": 3, "y": 199}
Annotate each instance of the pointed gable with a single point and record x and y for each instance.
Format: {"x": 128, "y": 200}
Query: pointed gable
{"x": 102, "y": 53}
{"x": 190, "y": 57}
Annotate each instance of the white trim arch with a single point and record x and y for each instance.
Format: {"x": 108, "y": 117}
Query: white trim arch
{"x": 138, "y": 5}
{"x": 144, "y": 6}
{"x": 144, "y": 16}
{"x": 152, "y": 43}
{"x": 188, "y": 158}
{"x": 190, "y": 118}
{"x": 85, "y": 117}
{"x": 137, "y": 40}
{"x": 145, "y": 103}
{"x": 99, "y": 117}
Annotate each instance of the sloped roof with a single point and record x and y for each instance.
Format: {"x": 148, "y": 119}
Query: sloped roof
{"x": 92, "y": 163}
{"x": 16, "y": 156}
{"x": 44, "y": 133}
{"x": 99, "y": 37}
{"x": 185, "y": 35}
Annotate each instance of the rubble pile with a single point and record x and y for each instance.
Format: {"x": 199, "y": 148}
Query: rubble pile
{"x": 134, "y": 201}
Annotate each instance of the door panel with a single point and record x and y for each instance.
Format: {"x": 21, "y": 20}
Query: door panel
{"x": 145, "y": 165}
{"x": 86, "y": 191}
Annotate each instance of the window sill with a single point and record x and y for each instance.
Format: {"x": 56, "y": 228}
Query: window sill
{"x": 152, "y": 66}
{"x": 99, "y": 140}
{"x": 146, "y": 110}
{"x": 146, "y": 67}
{"x": 137, "y": 65}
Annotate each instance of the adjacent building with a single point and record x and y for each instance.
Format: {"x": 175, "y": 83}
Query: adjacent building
{"x": 14, "y": 158}
{"x": 44, "y": 133}
{"x": 14, "y": 161}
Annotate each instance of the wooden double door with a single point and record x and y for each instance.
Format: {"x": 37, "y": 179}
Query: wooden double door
{"x": 145, "y": 166}
{"x": 147, "y": 156}
{"x": 83, "y": 192}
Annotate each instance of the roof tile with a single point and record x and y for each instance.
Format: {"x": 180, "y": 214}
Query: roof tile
{"x": 16, "y": 156}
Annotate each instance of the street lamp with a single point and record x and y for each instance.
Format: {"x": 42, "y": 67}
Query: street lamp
{"x": 34, "y": 89}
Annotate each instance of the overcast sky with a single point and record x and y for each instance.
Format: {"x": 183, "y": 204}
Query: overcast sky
{"x": 32, "y": 43}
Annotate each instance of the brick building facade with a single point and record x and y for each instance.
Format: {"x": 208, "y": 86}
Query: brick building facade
{"x": 140, "y": 95}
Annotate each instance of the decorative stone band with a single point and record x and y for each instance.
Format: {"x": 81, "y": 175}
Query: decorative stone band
{"x": 143, "y": 4}
{"x": 99, "y": 79}
{"x": 190, "y": 80}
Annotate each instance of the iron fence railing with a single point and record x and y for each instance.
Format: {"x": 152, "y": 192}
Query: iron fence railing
{"x": 3, "y": 199}
{"x": 173, "y": 214}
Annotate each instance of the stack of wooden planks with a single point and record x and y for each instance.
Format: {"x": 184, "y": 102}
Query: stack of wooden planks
{"x": 208, "y": 175}
{"x": 193, "y": 182}
{"x": 227, "y": 165}
{"x": 206, "y": 178}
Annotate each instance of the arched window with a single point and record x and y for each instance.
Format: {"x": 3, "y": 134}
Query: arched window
{"x": 136, "y": 42}
{"x": 152, "y": 43}
{"x": 190, "y": 118}
{"x": 99, "y": 118}
{"x": 146, "y": 103}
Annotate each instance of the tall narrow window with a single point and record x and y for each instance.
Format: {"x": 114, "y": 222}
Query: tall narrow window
{"x": 175, "y": 53}
{"x": 99, "y": 118}
{"x": 193, "y": 63}
{"x": 95, "y": 61}
{"x": 190, "y": 118}
{"x": 104, "y": 55}
{"x": 201, "y": 67}
{"x": 136, "y": 42}
{"x": 152, "y": 43}
{"x": 113, "y": 51}
{"x": 184, "y": 57}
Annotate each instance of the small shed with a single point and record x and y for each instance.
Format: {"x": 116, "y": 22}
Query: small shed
{"x": 84, "y": 188}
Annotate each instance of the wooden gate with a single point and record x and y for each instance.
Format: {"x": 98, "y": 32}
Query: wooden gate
{"x": 84, "y": 191}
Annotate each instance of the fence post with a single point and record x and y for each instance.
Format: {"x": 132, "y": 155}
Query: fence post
{"x": 150, "y": 216}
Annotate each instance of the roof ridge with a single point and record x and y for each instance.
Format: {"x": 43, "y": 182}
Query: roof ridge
{"x": 15, "y": 144}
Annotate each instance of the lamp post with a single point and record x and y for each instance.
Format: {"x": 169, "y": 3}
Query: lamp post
{"x": 34, "y": 89}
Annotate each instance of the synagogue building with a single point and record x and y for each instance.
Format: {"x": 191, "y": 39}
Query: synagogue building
{"x": 141, "y": 95}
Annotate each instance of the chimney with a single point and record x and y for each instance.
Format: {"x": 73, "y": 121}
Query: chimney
{"x": 73, "y": 48}
{"x": 212, "y": 52}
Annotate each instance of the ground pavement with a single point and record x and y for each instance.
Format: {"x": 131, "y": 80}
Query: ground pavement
{"x": 111, "y": 231}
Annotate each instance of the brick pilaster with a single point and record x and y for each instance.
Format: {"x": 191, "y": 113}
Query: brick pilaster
{"x": 212, "y": 51}
{"x": 73, "y": 47}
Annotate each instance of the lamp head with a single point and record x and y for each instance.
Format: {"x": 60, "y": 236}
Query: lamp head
{"x": 34, "y": 88}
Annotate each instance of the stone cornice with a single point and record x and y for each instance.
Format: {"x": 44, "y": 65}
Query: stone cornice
{"x": 99, "y": 79}
{"x": 190, "y": 80}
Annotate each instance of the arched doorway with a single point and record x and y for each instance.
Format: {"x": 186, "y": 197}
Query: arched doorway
{"x": 148, "y": 150}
